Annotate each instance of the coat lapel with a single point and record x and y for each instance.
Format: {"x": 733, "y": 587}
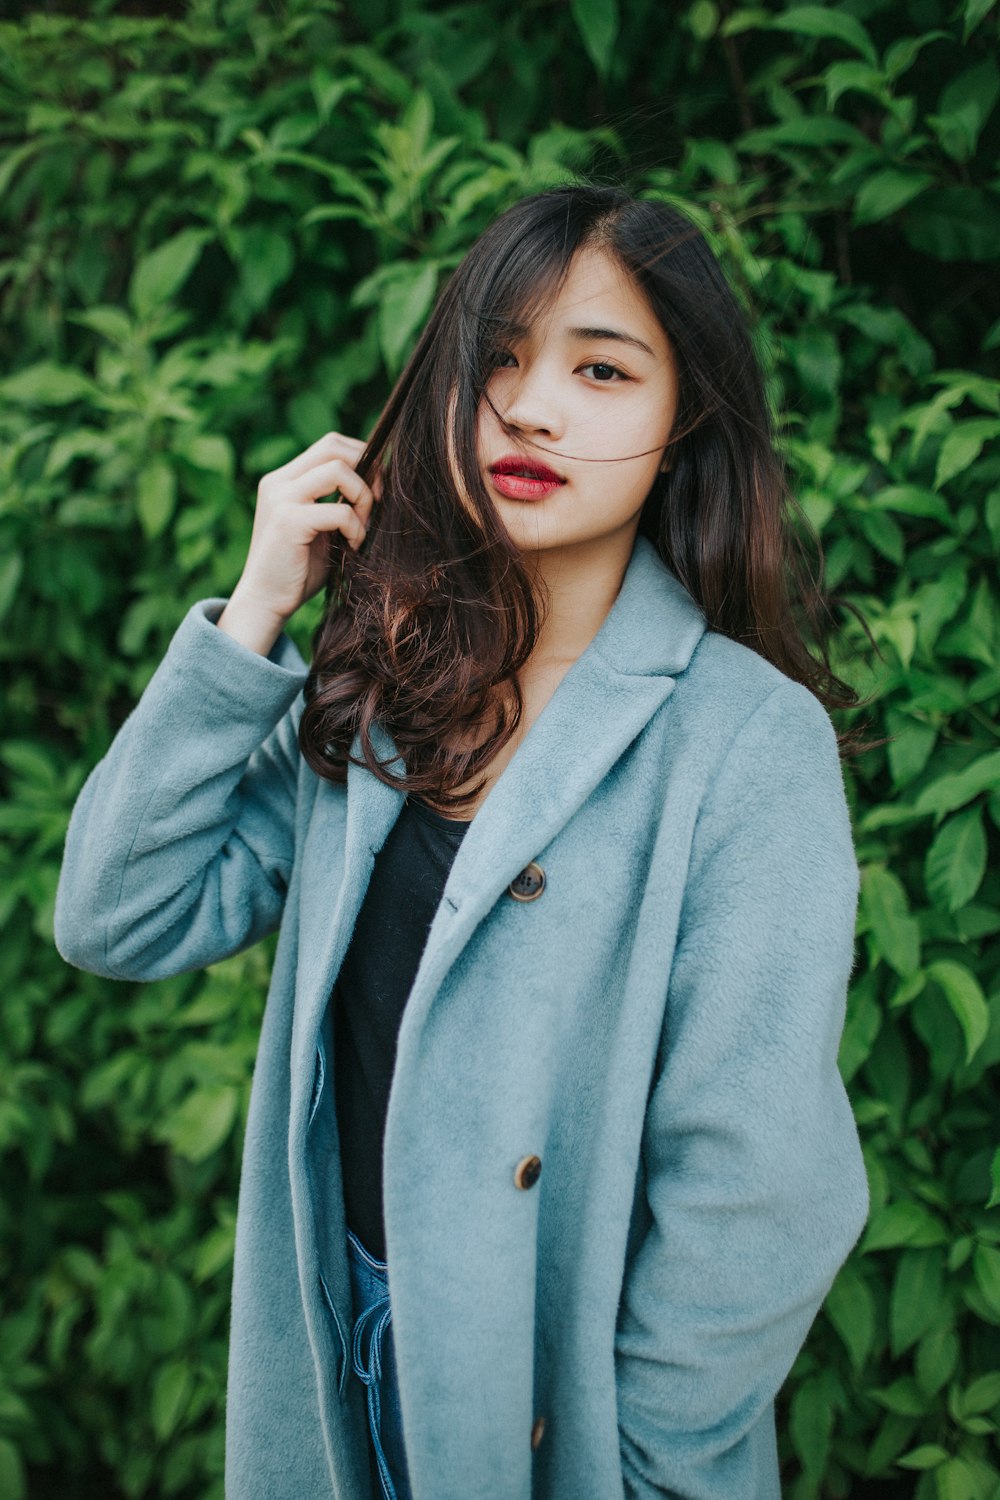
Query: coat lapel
{"x": 340, "y": 851}
{"x": 600, "y": 706}
{"x": 602, "y": 703}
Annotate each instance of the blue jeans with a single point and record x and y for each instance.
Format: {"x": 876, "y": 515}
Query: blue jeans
{"x": 374, "y": 1363}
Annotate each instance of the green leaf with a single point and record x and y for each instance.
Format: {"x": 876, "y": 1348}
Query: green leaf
{"x": 46, "y": 384}
{"x": 956, "y": 860}
{"x": 887, "y": 325}
{"x": 966, "y": 999}
{"x": 955, "y": 223}
{"x": 861, "y": 1027}
{"x": 111, "y": 322}
{"x": 986, "y": 1267}
{"x": 164, "y": 270}
{"x": 900, "y": 56}
{"x": 966, "y": 104}
{"x": 904, "y": 1397}
{"x": 936, "y": 1359}
{"x": 912, "y": 500}
{"x": 927, "y": 1456}
{"x": 703, "y": 19}
{"x": 328, "y": 90}
{"x": 850, "y": 1307}
{"x": 11, "y": 573}
{"x": 908, "y": 1223}
{"x": 597, "y": 22}
{"x": 816, "y": 357}
{"x": 203, "y": 1122}
{"x": 156, "y": 494}
{"x": 910, "y": 746}
{"x": 886, "y": 536}
{"x": 14, "y": 1410}
{"x": 885, "y": 192}
{"x": 916, "y": 1296}
{"x": 840, "y": 77}
{"x": 963, "y": 446}
{"x": 886, "y": 906}
{"x": 171, "y": 1395}
{"x": 810, "y": 1426}
{"x": 266, "y": 260}
{"x": 959, "y": 787}
{"x": 294, "y": 130}
{"x": 12, "y": 1480}
{"x": 803, "y": 130}
{"x": 832, "y": 24}
{"x": 977, "y": 636}
{"x": 957, "y": 1480}
{"x": 30, "y": 762}
{"x": 12, "y": 160}
{"x": 975, "y": 11}
{"x": 994, "y": 1197}
{"x": 209, "y": 451}
{"x": 983, "y": 1394}
{"x": 215, "y": 1253}
{"x": 403, "y": 307}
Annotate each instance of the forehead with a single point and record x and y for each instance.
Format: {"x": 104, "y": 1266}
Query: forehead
{"x": 596, "y": 291}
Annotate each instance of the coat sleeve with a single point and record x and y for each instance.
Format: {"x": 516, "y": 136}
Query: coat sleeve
{"x": 180, "y": 843}
{"x": 754, "y": 1174}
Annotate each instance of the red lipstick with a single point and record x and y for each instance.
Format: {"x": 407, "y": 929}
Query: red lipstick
{"x": 521, "y": 478}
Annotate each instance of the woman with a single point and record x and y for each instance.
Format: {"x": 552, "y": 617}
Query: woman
{"x": 561, "y": 781}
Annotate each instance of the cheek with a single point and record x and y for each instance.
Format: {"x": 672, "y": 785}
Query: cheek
{"x": 495, "y": 402}
{"x": 636, "y": 430}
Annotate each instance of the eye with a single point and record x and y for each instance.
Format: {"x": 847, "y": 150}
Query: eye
{"x": 503, "y": 360}
{"x": 605, "y": 373}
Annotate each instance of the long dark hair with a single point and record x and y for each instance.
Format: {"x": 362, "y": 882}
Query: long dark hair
{"x": 427, "y": 625}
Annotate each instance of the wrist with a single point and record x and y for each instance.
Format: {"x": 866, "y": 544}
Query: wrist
{"x": 252, "y": 624}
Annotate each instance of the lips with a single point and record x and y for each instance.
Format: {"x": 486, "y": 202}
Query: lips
{"x": 521, "y": 478}
{"x": 530, "y": 468}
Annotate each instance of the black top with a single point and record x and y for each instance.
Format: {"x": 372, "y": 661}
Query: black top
{"x": 371, "y": 990}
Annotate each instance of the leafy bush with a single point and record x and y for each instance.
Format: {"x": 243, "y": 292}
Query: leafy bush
{"x": 223, "y": 225}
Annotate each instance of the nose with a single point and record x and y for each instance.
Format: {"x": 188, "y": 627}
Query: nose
{"x": 530, "y": 403}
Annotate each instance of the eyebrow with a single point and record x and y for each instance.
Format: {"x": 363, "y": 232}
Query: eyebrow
{"x": 610, "y": 333}
{"x": 519, "y": 331}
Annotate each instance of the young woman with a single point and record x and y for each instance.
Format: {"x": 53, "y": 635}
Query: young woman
{"x": 548, "y": 1165}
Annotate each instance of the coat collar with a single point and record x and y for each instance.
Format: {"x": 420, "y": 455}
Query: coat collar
{"x": 601, "y": 704}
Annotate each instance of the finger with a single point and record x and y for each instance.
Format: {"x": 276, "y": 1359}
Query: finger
{"x": 336, "y": 516}
{"x": 326, "y": 480}
{"x": 330, "y": 445}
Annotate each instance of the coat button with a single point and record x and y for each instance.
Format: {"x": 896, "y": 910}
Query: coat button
{"x": 529, "y": 884}
{"x": 527, "y": 1171}
{"x": 538, "y": 1427}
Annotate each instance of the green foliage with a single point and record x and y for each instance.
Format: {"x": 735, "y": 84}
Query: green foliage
{"x": 222, "y": 229}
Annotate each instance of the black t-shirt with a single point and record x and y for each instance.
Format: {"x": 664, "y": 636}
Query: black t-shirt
{"x": 371, "y": 990}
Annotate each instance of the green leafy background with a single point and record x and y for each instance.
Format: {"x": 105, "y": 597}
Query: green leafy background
{"x": 222, "y": 225}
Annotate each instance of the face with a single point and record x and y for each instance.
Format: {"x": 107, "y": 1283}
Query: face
{"x": 579, "y": 411}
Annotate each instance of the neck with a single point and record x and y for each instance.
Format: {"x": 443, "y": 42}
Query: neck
{"x": 580, "y": 584}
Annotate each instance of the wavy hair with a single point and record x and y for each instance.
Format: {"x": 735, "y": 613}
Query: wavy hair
{"x": 427, "y": 625}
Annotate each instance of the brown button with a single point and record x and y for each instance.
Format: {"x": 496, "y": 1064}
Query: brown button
{"x": 527, "y": 1171}
{"x": 529, "y": 884}
{"x": 538, "y": 1427}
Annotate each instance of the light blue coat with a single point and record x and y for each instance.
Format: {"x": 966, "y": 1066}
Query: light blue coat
{"x": 660, "y": 1027}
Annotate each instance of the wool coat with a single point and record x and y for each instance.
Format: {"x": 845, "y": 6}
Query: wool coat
{"x": 659, "y": 1027}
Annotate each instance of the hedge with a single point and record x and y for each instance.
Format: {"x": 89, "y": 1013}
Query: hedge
{"x": 223, "y": 223}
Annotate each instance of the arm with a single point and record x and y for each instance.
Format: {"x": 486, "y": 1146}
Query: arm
{"x": 181, "y": 840}
{"x": 755, "y": 1180}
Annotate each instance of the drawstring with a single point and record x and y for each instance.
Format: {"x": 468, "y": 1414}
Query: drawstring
{"x": 371, "y": 1377}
